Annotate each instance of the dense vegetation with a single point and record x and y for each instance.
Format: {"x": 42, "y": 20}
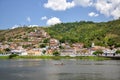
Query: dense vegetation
{"x": 118, "y": 52}
{"x": 98, "y": 52}
{"x": 103, "y": 34}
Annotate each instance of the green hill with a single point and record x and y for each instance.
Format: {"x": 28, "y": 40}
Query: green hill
{"x": 103, "y": 34}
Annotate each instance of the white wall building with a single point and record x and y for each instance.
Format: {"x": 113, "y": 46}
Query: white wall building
{"x": 19, "y": 52}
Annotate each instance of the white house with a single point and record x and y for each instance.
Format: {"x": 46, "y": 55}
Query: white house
{"x": 109, "y": 52}
{"x": 19, "y": 52}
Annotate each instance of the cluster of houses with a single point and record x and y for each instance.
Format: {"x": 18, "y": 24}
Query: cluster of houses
{"x": 37, "y": 37}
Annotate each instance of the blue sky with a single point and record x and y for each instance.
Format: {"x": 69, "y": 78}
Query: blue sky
{"x": 50, "y": 12}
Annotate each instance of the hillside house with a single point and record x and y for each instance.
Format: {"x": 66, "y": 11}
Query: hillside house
{"x": 67, "y": 52}
{"x": 38, "y": 34}
{"x": 54, "y": 43}
{"x": 65, "y": 45}
{"x": 49, "y": 52}
{"x": 78, "y": 45}
{"x": 4, "y": 46}
{"x": 34, "y": 52}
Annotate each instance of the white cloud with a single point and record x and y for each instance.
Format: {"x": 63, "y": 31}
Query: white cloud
{"x": 108, "y": 7}
{"x": 33, "y": 25}
{"x": 44, "y": 18}
{"x": 15, "y": 26}
{"x": 103, "y": 7}
{"x": 83, "y": 3}
{"x": 116, "y": 13}
{"x": 28, "y": 19}
{"x": 53, "y": 21}
{"x": 59, "y": 5}
{"x": 93, "y": 14}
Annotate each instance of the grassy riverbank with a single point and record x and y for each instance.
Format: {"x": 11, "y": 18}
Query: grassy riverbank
{"x": 4, "y": 57}
{"x": 57, "y": 57}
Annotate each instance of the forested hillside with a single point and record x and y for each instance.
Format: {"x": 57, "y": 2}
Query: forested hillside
{"x": 104, "y": 33}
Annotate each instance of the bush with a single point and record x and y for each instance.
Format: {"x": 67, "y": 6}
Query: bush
{"x": 7, "y": 50}
{"x": 56, "y": 53}
{"x": 1, "y": 51}
{"x": 42, "y": 45}
{"x": 61, "y": 47}
{"x": 98, "y": 52}
{"x": 12, "y": 56}
{"x": 46, "y": 40}
{"x": 118, "y": 52}
{"x": 44, "y": 51}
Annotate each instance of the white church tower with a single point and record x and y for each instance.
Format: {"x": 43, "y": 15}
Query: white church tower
{"x": 93, "y": 44}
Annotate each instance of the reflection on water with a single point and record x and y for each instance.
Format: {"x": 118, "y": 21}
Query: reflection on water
{"x": 36, "y": 69}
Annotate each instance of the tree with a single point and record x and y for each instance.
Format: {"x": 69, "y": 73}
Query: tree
{"x": 111, "y": 43}
{"x": 7, "y": 50}
{"x": 117, "y": 45}
{"x": 2, "y": 38}
{"x": 1, "y": 52}
{"x": 42, "y": 45}
{"x": 25, "y": 39}
{"x": 13, "y": 56}
{"x": 62, "y": 40}
{"x": 44, "y": 51}
{"x": 98, "y": 52}
{"x": 118, "y": 52}
{"x": 27, "y": 46}
{"x": 61, "y": 47}
{"x": 46, "y": 40}
{"x": 56, "y": 53}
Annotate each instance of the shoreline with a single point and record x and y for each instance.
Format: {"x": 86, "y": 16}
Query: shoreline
{"x": 57, "y": 57}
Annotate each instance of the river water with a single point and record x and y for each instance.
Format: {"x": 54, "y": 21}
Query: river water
{"x": 36, "y": 69}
